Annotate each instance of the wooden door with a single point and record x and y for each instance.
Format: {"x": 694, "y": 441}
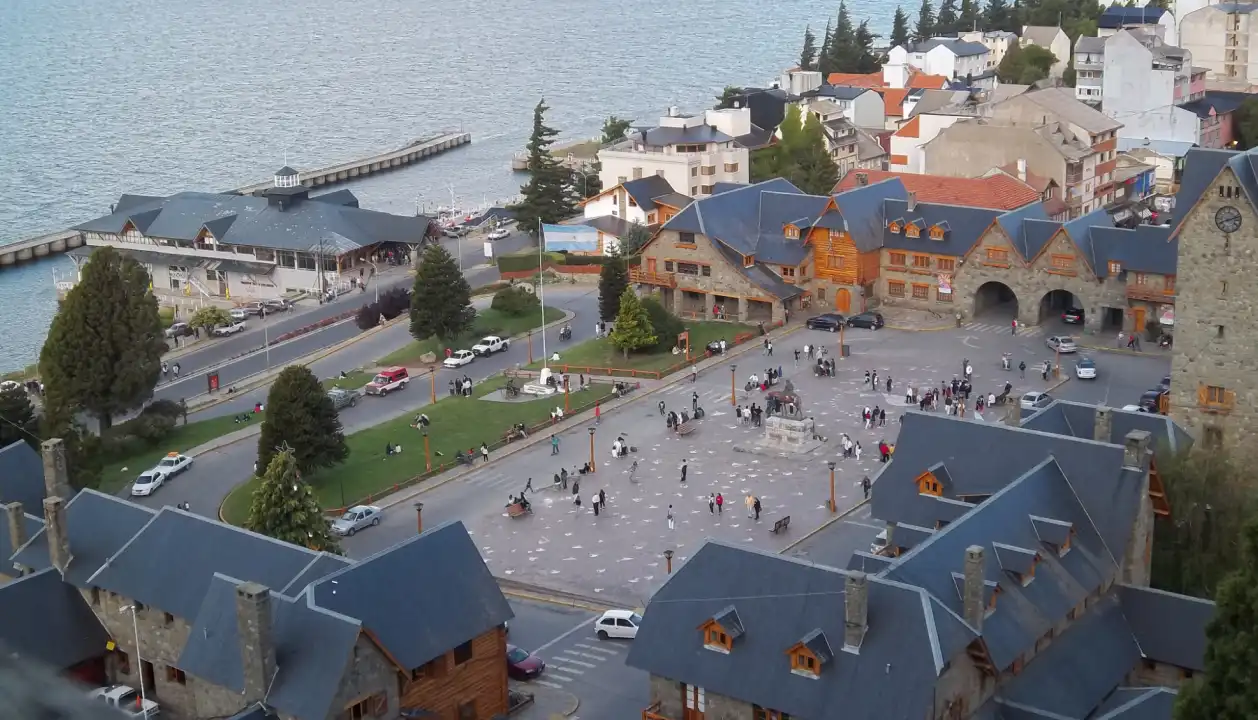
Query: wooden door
{"x": 842, "y": 300}
{"x": 1137, "y": 320}
{"x": 693, "y": 702}
{"x": 650, "y": 265}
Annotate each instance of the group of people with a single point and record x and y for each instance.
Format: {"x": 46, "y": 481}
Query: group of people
{"x": 875, "y": 416}
{"x": 620, "y": 448}
{"x": 770, "y": 377}
{"x": 601, "y": 329}
{"x": 461, "y": 386}
{"x": 166, "y": 369}
{"x": 871, "y": 379}
{"x": 751, "y": 415}
{"x": 824, "y": 367}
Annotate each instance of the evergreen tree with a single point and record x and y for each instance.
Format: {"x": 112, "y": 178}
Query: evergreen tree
{"x": 808, "y": 56}
{"x": 947, "y": 20}
{"x": 843, "y": 52}
{"x": 1228, "y": 690}
{"x": 104, "y": 350}
{"x": 614, "y": 130}
{"x": 300, "y": 416}
{"x": 285, "y": 508}
{"x": 867, "y": 60}
{"x": 999, "y": 16}
{"x": 813, "y": 169}
{"x": 899, "y": 28}
{"x": 925, "y": 27}
{"x": 613, "y": 280}
{"x": 728, "y": 97}
{"x": 441, "y": 303}
{"x": 17, "y": 418}
{"x": 547, "y": 195}
{"x": 634, "y": 240}
{"x": 969, "y": 18}
{"x": 632, "y": 330}
{"x": 823, "y": 54}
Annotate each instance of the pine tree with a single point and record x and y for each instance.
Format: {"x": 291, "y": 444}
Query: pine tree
{"x": 970, "y": 16}
{"x": 808, "y": 56}
{"x": 17, "y": 418}
{"x": 728, "y": 97}
{"x": 823, "y": 54}
{"x": 899, "y": 28}
{"x": 285, "y": 508}
{"x": 867, "y": 61}
{"x": 441, "y": 303}
{"x": 547, "y": 196}
{"x": 925, "y": 27}
{"x": 947, "y": 20}
{"x": 813, "y": 170}
{"x": 843, "y": 52}
{"x": 614, "y": 130}
{"x": 1228, "y": 690}
{"x": 613, "y": 280}
{"x": 632, "y": 330}
{"x": 300, "y": 416}
{"x": 104, "y": 349}
{"x": 998, "y": 16}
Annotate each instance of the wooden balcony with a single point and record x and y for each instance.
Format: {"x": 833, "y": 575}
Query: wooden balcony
{"x": 652, "y": 712}
{"x": 1151, "y": 294}
{"x": 1215, "y": 400}
{"x": 638, "y": 275}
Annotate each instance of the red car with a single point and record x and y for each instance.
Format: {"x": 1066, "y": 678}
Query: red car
{"x": 523, "y": 665}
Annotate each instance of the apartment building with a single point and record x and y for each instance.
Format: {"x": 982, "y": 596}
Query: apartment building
{"x": 1052, "y": 39}
{"x": 1223, "y": 39}
{"x": 997, "y": 43}
{"x": 1089, "y": 70}
{"x": 1145, "y": 83}
{"x": 1151, "y": 20}
{"x": 950, "y": 57}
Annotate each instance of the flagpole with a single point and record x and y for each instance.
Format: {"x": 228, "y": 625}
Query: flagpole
{"x": 541, "y": 284}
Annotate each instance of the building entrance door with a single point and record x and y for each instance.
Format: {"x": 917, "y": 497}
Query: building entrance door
{"x": 842, "y": 300}
{"x": 1137, "y": 320}
{"x": 650, "y": 265}
{"x": 693, "y": 702}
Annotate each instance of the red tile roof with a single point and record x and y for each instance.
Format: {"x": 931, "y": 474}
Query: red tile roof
{"x": 997, "y": 192}
{"x": 869, "y": 80}
{"x": 893, "y": 101}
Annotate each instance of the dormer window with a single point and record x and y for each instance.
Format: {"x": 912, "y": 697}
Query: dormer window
{"x": 749, "y": 260}
{"x": 804, "y": 662}
{"x": 912, "y": 231}
{"x": 720, "y": 631}
{"x": 894, "y": 227}
{"x": 928, "y": 484}
{"x": 791, "y": 232}
{"x": 991, "y": 601}
{"x": 810, "y": 654}
{"x": 1115, "y": 268}
{"x": 715, "y": 638}
{"x": 937, "y": 233}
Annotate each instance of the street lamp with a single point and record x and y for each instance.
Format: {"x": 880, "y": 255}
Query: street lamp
{"x": 831, "y": 463}
{"x": 135, "y": 627}
{"x": 419, "y": 517}
{"x": 566, "y": 403}
{"x": 668, "y": 561}
{"x": 432, "y": 383}
{"x": 585, "y": 182}
{"x": 530, "y": 347}
{"x": 733, "y": 383}
{"x": 427, "y": 455}
{"x": 593, "y": 465}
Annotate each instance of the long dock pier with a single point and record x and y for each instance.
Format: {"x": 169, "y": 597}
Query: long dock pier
{"x": 64, "y": 240}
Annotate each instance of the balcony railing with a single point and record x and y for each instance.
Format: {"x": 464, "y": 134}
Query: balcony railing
{"x": 652, "y": 712}
{"x": 644, "y": 277}
{"x": 1215, "y": 400}
{"x": 1143, "y": 292}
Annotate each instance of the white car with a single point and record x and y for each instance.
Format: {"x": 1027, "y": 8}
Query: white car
{"x": 490, "y": 345}
{"x": 147, "y": 483}
{"x": 173, "y": 464}
{"x": 357, "y": 518}
{"x": 8, "y": 385}
{"x": 238, "y": 314}
{"x": 1134, "y": 408}
{"x": 1035, "y": 400}
{"x": 618, "y": 624}
{"x": 459, "y": 358}
{"x": 1062, "y": 343}
{"x": 1085, "y": 369}
{"x": 126, "y": 700}
{"x": 499, "y": 234}
{"x": 229, "y": 329}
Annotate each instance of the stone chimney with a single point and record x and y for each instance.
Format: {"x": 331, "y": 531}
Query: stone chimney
{"x": 17, "y": 525}
{"x": 1022, "y": 169}
{"x": 973, "y": 605}
{"x": 912, "y": 204}
{"x": 856, "y": 610}
{"x": 889, "y": 548}
{"x": 1103, "y": 426}
{"x": 862, "y": 179}
{"x": 55, "y": 529}
{"x": 257, "y": 644}
{"x": 1136, "y": 450}
{"x": 56, "y": 474}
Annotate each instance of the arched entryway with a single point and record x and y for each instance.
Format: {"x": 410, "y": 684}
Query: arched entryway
{"x": 843, "y": 300}
{"x": 1056, "y": 302}
{"x": 995, "y": 299}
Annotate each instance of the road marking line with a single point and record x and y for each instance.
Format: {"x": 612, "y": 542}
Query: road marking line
{"x": 598, "y": 649}
{"x": 568, "y": 670}
{"x": 540, "y": 648}
{"x": 599, "y": 658}
{"x": 572, "y": 661}
{"x": 549, "y": 684}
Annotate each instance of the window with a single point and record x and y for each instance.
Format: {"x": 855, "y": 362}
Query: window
{"x": 715, "y": 638}
{"x": 668, "y": 266}
{"x": 1168, "y": 283}
{"x": 929, "y": 484}
{"x": 1215, "y": 394}
{"x": 650, "y": 218}
{"x": 1115, "y": 267}
{"x": 791, "y": 232}
{"x": 731, "y": 167}
{"x": 168, "y": 618}
{"x": 912, "y": 231}
{"x": 749, "y": 260}
{"x": 936, "y": 233}
{"x": 895, "y": 288}
{"x": 467, "y": 710}
{"x": 943, "y": 297}
{"x": 637, "y": 173}
{"x": 821, "y": 294}
{"x": 945, "y": 264}
{"x": 1212, "y": 437}
{"x": 897, "y": 259}
{"x": 921, "y": 261}
{"x": 788, "y": 272}
{"x": 692, "y": 148}
{"x": 463, "y": 653}
{"x": 632, "y": 202}
{"x": 759, "y": 713}
{"x": 694, "y": 171}
{"x": 213, "y": 275}
{"x": 175, "y": 675}
{"x": 707, "y": 189}
{"x": 686, "y": 238}
{"x": 694, "y": 189}
{"x": 429, "y": 670}
{"x": 834, "y": 262}
{"x": 920, "y": 291}
{"x": 708, "y": 170}
{"x": 1141, "y": 279}
{"x": 705, "y": 270}
{"x": 305, "y": 261}
{"x": 997, "y": 255}
{"x": 685, "y": 268}
{"x": 621, "y": 180}
{"x": 1063, "y": 262}
{"x": 1218, "y": 331}
{"x": 894, "y": 227}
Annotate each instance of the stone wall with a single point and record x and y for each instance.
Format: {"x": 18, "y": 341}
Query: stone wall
{"x": 668, "y": 693}
{"x": 367, "y": 672}
{"x": 724, "y": 280}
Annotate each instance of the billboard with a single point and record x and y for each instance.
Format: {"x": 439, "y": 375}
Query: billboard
{"x": 573, "y": 238}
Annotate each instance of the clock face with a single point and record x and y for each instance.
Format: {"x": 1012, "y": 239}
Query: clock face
{"x": 1228, "y": 219}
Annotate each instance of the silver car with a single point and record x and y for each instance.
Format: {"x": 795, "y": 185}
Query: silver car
{"x": 1062, "y": 343}
{"x": 357, "y": 518}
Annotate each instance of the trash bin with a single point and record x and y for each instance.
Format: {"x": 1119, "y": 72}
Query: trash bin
{"x": 845, "y": 351}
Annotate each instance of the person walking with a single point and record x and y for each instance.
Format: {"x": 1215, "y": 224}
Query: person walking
{"x": 694, "y": 403}
{"x": 528, "y": 487}
{"x": 857, "y": 450}
{"x": 867, "y": 376}
{"x": 661, "y": 406}
{"x": 770, "y": 346}
{"x": 175, "y": 368}
{"x": 694, "y": 373}
{"x": 720, "y": 503}
{"x": 711, "y": 503}
{"x": 865, "y": 485}
{"x": 484, "y": 452}
{"x": 1013, "y": 328}
{"x": 796, "y": 357}
{"x": 598, "y": 414}
{"x": 1022, "y": 369}
{"x": 873, "y": 381}
{"x": 882, "y": 418}
{"x": 596, "y": 506}
{"x": 602, "y": 498}
{"x": 888, "y": 383}
{"x": 165, "y": 369}
{"x": 756, "y": 507}
{"x": 683, "y": 471}
{"x": 554, "y": 444}
{"x": 749, "y": 501}
{"x": 670, "y": 517}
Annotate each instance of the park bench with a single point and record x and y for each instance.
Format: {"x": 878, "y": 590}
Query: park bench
{"x": 781, "y": 524}
{"x": 515, "y": 510}
{"x": 685, "y": 428}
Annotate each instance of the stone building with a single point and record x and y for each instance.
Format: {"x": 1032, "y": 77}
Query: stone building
{"x": 211, "y": 620}
{"x": 1019, "y": 590}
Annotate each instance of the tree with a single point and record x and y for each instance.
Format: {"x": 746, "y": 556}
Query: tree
{"x": 808, "y": 56}
{"x": 946, "y": 21}
{"x": 999, "y": 16}
{"x": 516, "y": 301}
{"x": 17, "y": 418}
{"x": 823, "y": 54}
{"x": 368, "y": 316}
{"x": 441, "y": 303}
{"x": 285, "y": 508}
{"x": 634, "y": 240}
{"x": 728, "y": 97}
{"x": 1246, "y": 119}
{"x": 843, "y": 51}
{"x": 1025, "y": 65}
{"x": 899, "y": 28}
{"x": 300, "y": 417}
{"x": 209, "y": 317}
{"x": 801, "y": 156}
{"x": 925, "y": 27}
{"x": 1228, "y": 690}
{"x": 394, "y": 302}
{"x": 104, "y": 350}
{"x": 867, "y": 61}
{"x": 970, "y": 15}
{"x": 613, "y": 280}
{"x": 664, "y": 324}
{"x": 614, "y": 130}
{"x": 547, "y": 196}
{"x": 632, "y": 330}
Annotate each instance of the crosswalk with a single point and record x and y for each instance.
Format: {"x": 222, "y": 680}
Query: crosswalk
{"x": 991, "y": 328}
{"x": 571, "y": 664}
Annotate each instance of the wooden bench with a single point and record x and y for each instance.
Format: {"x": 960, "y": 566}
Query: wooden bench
{"x": 685, "y": 428}
{"x": 516, "y": 510}
{"x": 781, "y": 524}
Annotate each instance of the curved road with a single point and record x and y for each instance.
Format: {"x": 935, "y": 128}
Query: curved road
{"x": 216, "y": 472}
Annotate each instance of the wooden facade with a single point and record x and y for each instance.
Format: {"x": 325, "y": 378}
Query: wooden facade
{"x": 467, "y": 683}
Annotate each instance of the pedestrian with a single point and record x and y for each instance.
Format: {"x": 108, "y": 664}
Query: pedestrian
{"x": 528, "y": 487}
{"x": 694, "y": 403}
{"x": 554, "y": 444}
{"x": 683, "y": 470}
{"x": 484, "y": 452}
{"x": 670, "y": 517}
{"x": 1022, "y": 369}
{"x": 770, "y": 349}
{"x": 598, "y": 414}
{"x": 1013, "y": 329}
{"x": 867, "y": 377}
{"x": 873, "y": 381}
{"x": 882, "y": 418}
{"x": 595, "y": 506}
{"x": 868, "y": 416}
{"x": 796, "y": 357}
{"x": 884, "y": 454}
{"x": 888, "y": 383}
{"x": 865, "y": 485}
{"x": 857, "y": 450}
{"x": 720, "y": 502}
{"x": 602, "y": 498}
{"x": 749, "y": 501}
{"x": 176, "y": 369}
{"x": 694, "y": 373}
{"x": 165, "y": 369}
{"x": 451, "y": 388}
{"x": 1044, "y": 371}
{"x": 661, "y": 406}
{"x": 765, "y": 344}
{"x": 711, "y": 503}
{"x": 576, "y": 499}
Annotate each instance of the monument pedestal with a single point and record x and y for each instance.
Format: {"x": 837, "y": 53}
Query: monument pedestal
{"x": 783, "y": 435}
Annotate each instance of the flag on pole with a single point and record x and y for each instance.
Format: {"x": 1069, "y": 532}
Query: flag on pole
{"x": 573, "y": 238}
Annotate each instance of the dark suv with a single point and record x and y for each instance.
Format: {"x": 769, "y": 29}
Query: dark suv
{"x": 870, "y": 320}
{"x": 1073, "y": 316}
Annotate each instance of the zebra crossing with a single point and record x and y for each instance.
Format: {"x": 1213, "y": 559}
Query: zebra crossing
{"x": 991, "y": 328}
{"x": 582, "y": 658}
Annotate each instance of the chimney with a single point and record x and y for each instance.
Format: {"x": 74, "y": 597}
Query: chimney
{"x": 862, "y": 179}
{"x": 672, "y": 111}
{"x": 856, "y": 610}
{"x": 56, "y": 475}
{"x": 257, "y": 646}
{"x": 1136, "y": 450}
{"x": 889, "y": 548}
{"x": 1022, "y": 169}
{"x": 973, "y": 605}
{"x": 912, "y": 201}
{"x": 17, "y": 525}
{"x": 1103, "y": 426}
{"x": 55, "y": 529}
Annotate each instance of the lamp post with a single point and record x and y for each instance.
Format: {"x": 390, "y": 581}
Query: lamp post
{"x": 427, "y": 455}
{"x": 135, "y": 628}
{"x": 668, "y": 561}
{"x": 832, "y": 505}
{"x": 530, "y": 347}
{"x": 842, "y": 332}
{"x": 432, "y": 384}
{"x": 733, "y": 383}
{"x": 566, "y": 401}
{"x": 419, "y": 517}
{"x": 593, "y": 465}
{"x": 585, "y": 182}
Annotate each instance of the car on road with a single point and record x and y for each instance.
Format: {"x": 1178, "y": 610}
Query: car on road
{"x": 147, "y": 483}
{"x": 179, "y": 329}
{"x": 489, "y": 345}
{"x": 1151, "y": 400}
{"x": 232, "y": 328}
{"x": 388, "y": 380}
{"x": 1072, "y": 316}
{"x": 343, "y": 397}
{"x": 8, "y": 385}
{"x": 1035, "y": 400}
{"x": 1062, "y": 343}
{"x": 868, "y": 320}
{"x": 522, "y": 664}
{"x": 618, "y": 624}
{"x": 357, "y": 518}
{"x": 126, "y": 700}
{"x": 1165, "y": 385}
{"x": 499, "y": 234}
{"x": 1085, "y": 368}
{"x": 240, "y": 314}
{"x": 173, "y": 464}
{"x": 456, "y": 231}
{"x": 277, "y": 305}
{"x": 459, "y": 358}
{"x": 826, "y": 321}
{"x": 716, "y": 347}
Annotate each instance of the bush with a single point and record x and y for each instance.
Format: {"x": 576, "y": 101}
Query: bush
{"x": 164, "y": 408}
{"x": 368, "y": 316}
{"x": 167, "y": 314}
{"x": 666, "y": 325}
{"x": 151, "y": 429}
{"x": 527, "y": 260}
{"x": 585, "y": 260}
{"x": 210, "y": 317}
{"x": 395, "y": 302}
{"x": 491, "y": 288}
{"x": 515, "y": 301}
{"x": 1152, "y": 329}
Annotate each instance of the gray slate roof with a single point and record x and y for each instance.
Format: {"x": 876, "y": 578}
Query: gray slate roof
{"x": 420, "y": 598}
{"x": 22, "y": 477}
{"x": 838, "y": 92}
{"x": 962, "y": 226}
{"x": 861, "y": 212}
{"x": 960, "y": 48}
{"x": 1064, "y": 417}
{"x": 1091, "y": 45}
{"x": 1118, "y": 16}
{"x": 49, "y": 622}
{"x": 1169, "y": 628}
{"x": 1201, "y": 167}
{"x": 32, "y": 526}
{"x": 662, "y": 136}
{"x": 97, "y": 526}
{"x": 321, "y": 566}
{"x": 1042, "y": 35}
{"x": 645, "y": 189}
{"x": 1138, "y": 703}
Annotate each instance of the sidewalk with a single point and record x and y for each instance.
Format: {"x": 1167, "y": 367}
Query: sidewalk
{"x": 913, "y": 320}
{"x": 548, "y": 703}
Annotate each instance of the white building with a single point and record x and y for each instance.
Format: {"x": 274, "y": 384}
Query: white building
{"x": 692, "y": 152}
{"x": 1052, "y": 39}
{"x": 1151, "y": 20}
{"x": 997, "y": 43}
{"x": 907, "y": 141}
{"x": 1143, "y": 83}
{"x": 797, "y": 82}
{"x": 648, "y": 201}
{"x": 1223, "y": 39}
{"x": 1089, "y": 69}
{"x": 951, "y": 57}
{"x": 860, "y": 106}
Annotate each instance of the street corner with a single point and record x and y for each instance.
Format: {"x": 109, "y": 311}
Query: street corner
{"x": 547, "y": 702}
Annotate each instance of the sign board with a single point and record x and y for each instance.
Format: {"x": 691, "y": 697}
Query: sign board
{"x": 489, "y": 250}
{"x": 945, "y": 283}
{"x": 211, "y": 380}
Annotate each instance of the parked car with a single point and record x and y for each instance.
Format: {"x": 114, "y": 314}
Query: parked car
{"x": 173, "y": 464}
{"x": 490, "y": 345}
{"x": 1062, "y": 343}
{"x": 523, "y": 665}
{"x": 127, "y": 700}
{"x": 343, "y": 397}
{"x": 1165, "y": 385}
{"x": 459, "y": 358}
{"x": 277, "y": 305}
{"x": 256, "y": 309}
{"x": 388, "y": 380}
{"x": 1072, "y": 316}
{"x": 1134, "y": 408}
{"x": 1035, "y": 400}
{"x": 618, "y": 624}
{"x": 1085, "y": 369}
{"x": 229, "y": 329}
{"x": 869, "y": 320}
{"x": 147, "y": 483}
{"x": 826, "y": 321}
{"x": 179, "y": 329}
{"x": 1151, "y": 400}
{"x": 238, "y": 314}
{"x": 499, "y": 234}
{"x": 357, "y": 518}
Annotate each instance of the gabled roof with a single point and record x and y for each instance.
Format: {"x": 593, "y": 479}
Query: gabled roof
{"x": 31, "y": 526}
{"x": 1061, "y": 103}
{"x": 645, "y": 189}
{"x": 1042, "y": 35}
{"x": 1028, "y": 228}
{"x": 1119, "y": 16}
{"x": 22, "y": 477}
{"x": 1169, "y": 628}
{"x": 48, "y": 622}
{"x": 758, "y": 274}
{"x": 421, "y": 597}
{"x": 1201, "y": 167}
{"x": 97, "y": 526}
{"x": 962, "y": 226}
{"x": 861, "y": 209}
{"x": 321, "y": 566}
{"x": 751, "y": 219}
{"x": 1138, "y": 703}
{"x": 958, "y": 47}
{"x": 1089, "y": 44}
{"x": 838, "y": 92}
{"x": 999, "y": 192}
{"x": 663, "y": 136}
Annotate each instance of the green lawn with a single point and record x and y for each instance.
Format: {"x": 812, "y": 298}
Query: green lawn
{"x": 601, "y": 354}
{"x": 457, "y": 423}
{"x": 488, "y": 322}
{"x": 356, "y": 380}
{"x": 182, "y": 439}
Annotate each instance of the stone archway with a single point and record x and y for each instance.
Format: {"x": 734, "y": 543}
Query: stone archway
{"x": 995, "y": 299}
{"x": 1055, "y": 302}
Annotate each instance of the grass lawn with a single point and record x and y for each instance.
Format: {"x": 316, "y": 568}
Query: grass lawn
{"x": 601, "y": 354}
{"x": 182, "y": 439}
{"x": 488, "y": 322}
{"x": 356, "y": 380}
{"x": 457, "y": 423}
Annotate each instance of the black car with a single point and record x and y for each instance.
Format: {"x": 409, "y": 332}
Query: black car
{"x": 1073, "y": 316}
{"x": 1151, "y": 400}
{"x": 826, "y": 321}
{"x": 1165, "y": 385}
{"x": 715, "y": 347}
{"x": 870, "y": 320}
